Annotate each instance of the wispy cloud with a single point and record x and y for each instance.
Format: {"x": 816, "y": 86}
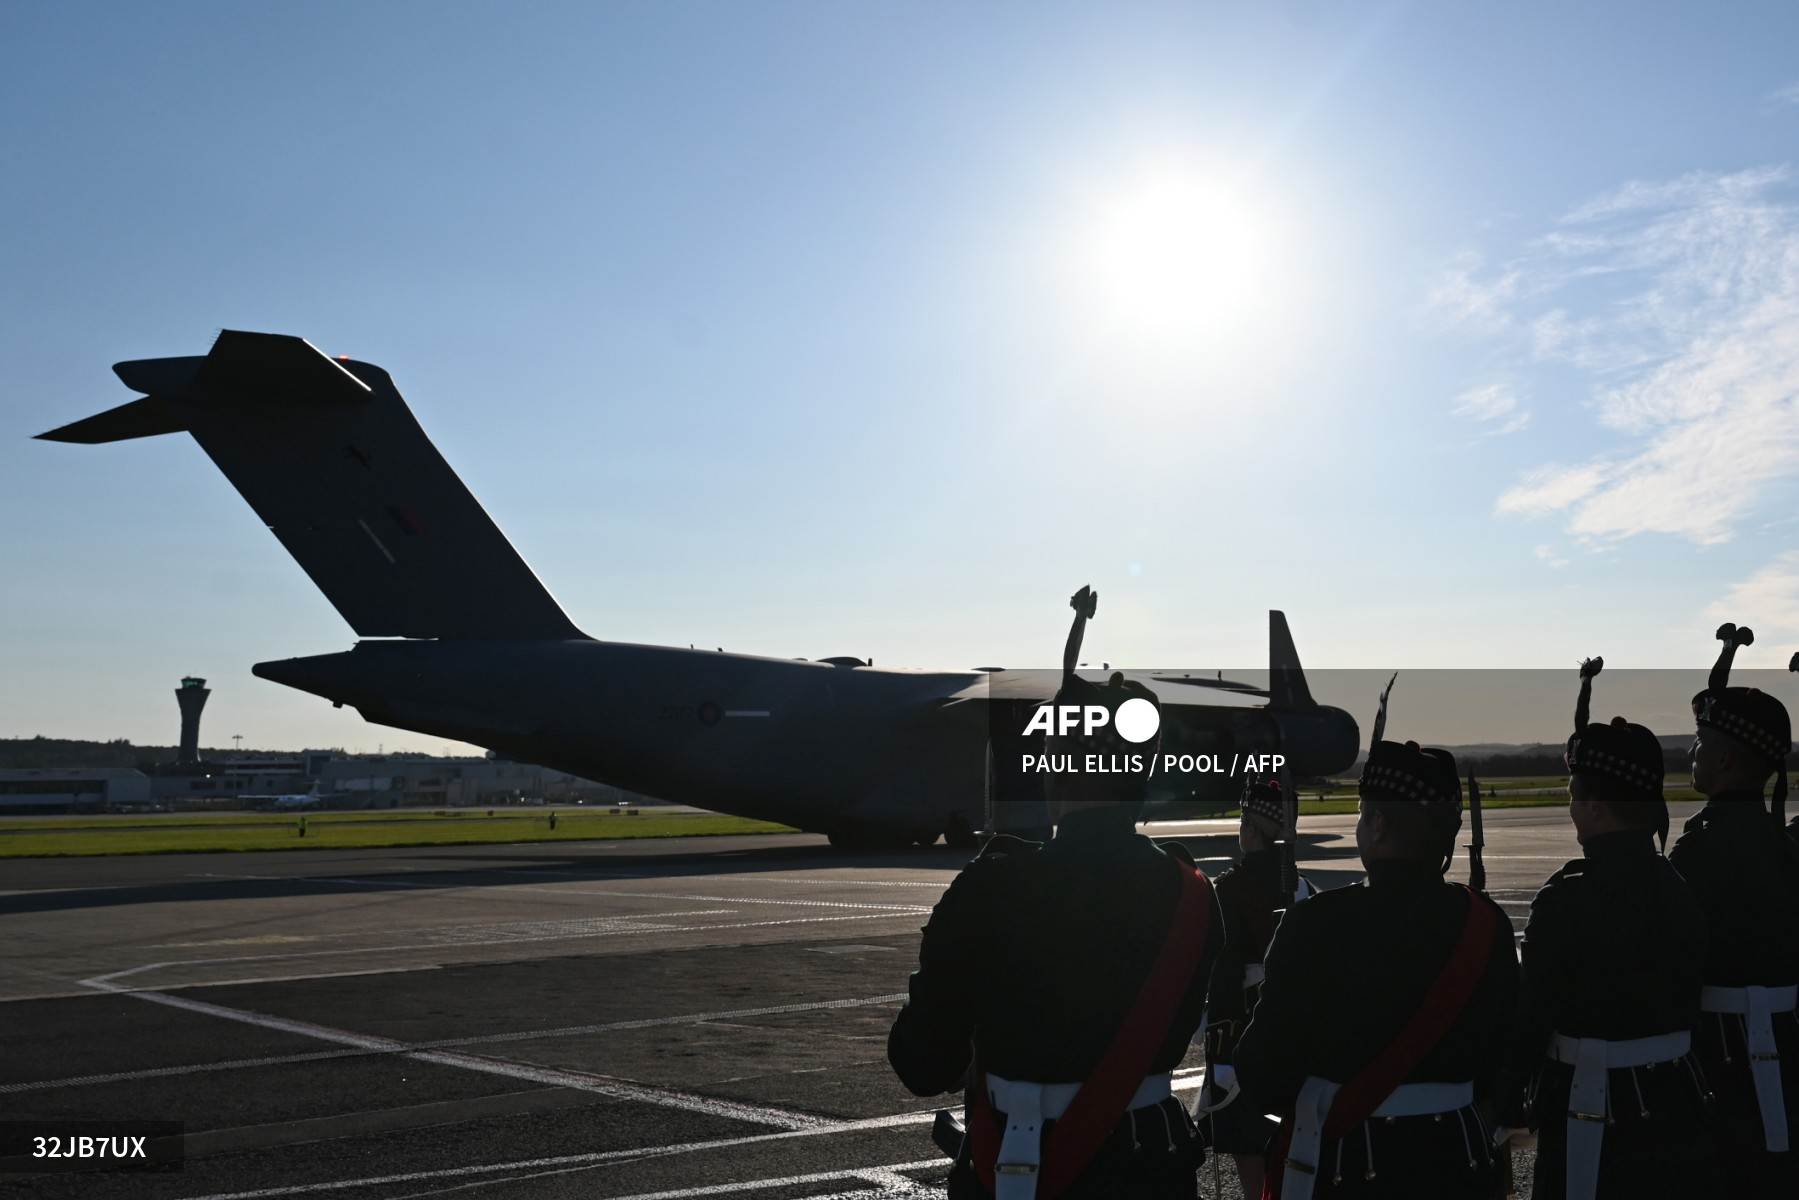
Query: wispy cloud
{"x": 1552, "y": 488}
{"x": 1678, "y": 302}
{"x": 1548, "y": 557}
{"x": 1459, "y": 298}
{"x": 1768, "y": 602}
{"x": 1785, "y": 97}
{"x": 1494, "y": 407}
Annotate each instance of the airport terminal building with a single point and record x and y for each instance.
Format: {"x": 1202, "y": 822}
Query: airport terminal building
{"x": 315, "y": 779}
{"x": 74, "y": 789}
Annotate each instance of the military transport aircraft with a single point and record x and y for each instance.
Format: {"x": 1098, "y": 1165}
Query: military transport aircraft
{"x": 460, "y": 639}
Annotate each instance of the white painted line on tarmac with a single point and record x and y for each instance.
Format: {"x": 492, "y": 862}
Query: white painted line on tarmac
{"x": 576, "y": 1160}
{"x": 914, "y": 909}
{"x": 760, "y": 877}
{"x": 358, "y": 881}
{"x": 599, "y": 1085}
{"x": 887, "y": 1177}
{"x": 639, "y": 927}
{"x": 1185, "y": 1080}
{"x": 484, "y": 1039}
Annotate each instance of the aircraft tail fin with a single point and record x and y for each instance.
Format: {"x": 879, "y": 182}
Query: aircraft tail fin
{"x": 329, "y": 456}
{"x": 1286, "y": 678}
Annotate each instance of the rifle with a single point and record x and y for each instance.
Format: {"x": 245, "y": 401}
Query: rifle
{"x": 1290, "y": 850}
{"x": 1477, "y": 867}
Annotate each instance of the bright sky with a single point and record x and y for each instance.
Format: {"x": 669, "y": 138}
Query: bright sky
{"x": 1468, "y": 338}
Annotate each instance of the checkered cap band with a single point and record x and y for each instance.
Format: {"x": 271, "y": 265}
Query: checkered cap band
{"x": 1406, "y": 785}
{"x": 1764, "y": 728}
{"x": 1583, "y": 755}
{"x": 1265, "y": 803}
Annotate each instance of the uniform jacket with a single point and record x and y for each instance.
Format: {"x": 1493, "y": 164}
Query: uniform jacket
{"x": 1346, "y": 973}
{"x": 1036, "y": 953}
{"x": 1615, "y": 949}
{"x": 1747, "y": 884}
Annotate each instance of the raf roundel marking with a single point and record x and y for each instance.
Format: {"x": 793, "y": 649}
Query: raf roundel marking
{"x": 710, "y": 714}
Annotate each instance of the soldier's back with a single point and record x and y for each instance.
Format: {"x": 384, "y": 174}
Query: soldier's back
{"x": 1746, "y": 880}
{"x": 1348, "y": 972}
{"x": 1614, "y": 953}
{"x": 1361, "y": 952}
{"x": 1747, "y": 884}
{"x": 1036, "y": 957}
{"x": 1073, "y": 931}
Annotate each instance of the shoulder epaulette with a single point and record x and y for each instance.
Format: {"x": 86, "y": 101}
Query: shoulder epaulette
{"x": 1178, "y": 851}
{"x": 1002, "y": 845}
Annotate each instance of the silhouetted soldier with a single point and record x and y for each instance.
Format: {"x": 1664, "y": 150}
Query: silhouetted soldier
{"x": 1743, "y": 871}
{"x": 1064, "y": 982}
{"x": 1387, "y": 1007}
{"x": 1793, "y": 825}
{"x": 1613, "y": 959}
{"x": 1250, "y": 895}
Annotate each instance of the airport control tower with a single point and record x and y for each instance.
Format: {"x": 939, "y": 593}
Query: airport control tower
{"x": 191, "y": 696}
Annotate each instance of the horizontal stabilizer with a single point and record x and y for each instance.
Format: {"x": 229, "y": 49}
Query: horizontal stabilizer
{"x": 139, "y": 418}
{"x": 160, "y": 376}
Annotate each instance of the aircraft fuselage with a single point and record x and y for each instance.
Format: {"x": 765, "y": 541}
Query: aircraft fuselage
{"x": 810, "y": 744}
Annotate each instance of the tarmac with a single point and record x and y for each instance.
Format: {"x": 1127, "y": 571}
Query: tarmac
{"x": 641, "y": 1020}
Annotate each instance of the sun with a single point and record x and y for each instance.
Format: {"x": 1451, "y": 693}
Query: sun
{"x": 1180, "y": 257}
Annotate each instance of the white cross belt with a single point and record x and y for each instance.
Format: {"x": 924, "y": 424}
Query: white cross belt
{"x": 1757, "y": 1006}
{"x": 1589, "y": 1096}
{"x": 1313, "y": 1109}
{"x": 1027, "y": 1106}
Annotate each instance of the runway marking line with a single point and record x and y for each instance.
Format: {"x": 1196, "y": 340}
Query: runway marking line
{"x": 360, "y": 881}
{"x": 1185, "y": 1080}
{"x": 613, "y": 1089}
{"x": 622, "y": 931}
{"x": 486, "y": 1039}
{"x": 886, "y": 1176}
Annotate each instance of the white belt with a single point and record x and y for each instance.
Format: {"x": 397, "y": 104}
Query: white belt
{"x": 1253, "y": 976}
{"x": 1757, "y": 1005}
{"x": 1027, "y": 1106}
{"x": 1589, "y": 1096}
{"x": 1314, "y": 1106}
{"x": 1221, "y": 1087}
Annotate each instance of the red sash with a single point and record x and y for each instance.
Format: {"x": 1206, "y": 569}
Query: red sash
{"x": 1442, "y": 1007}
{"x": 1097, "y": 1107}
